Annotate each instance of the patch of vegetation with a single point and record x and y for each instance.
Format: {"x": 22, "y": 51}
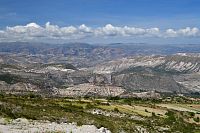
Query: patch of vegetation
{"x": 62, "y": 65}
{"x": 8, "y": 66}
{"x": 116, "y": 110}
{"x": 192, "y": 114}
{"x": 89, "y": 106}
{"x": 196, "y": 119}
{"x": 176, "y": 121}
{"x": 170, "y": 117}
{"x": 9, "y": 78}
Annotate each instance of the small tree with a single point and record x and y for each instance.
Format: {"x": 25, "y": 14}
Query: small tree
{"x": 192, "y": 114}
{"x": 89, "y": 106}
{"x": 116, "y": 109}
{"x": 196, "y": 119}
{"x": 153, "y": 114}
{"x": 171, "y": 117}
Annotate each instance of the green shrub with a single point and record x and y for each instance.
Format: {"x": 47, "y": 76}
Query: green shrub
{"x": 116, "y": 109}
{"x": 192, "y": 114}
{"x": 9, "y": 78}
{"x": 127, "y": 101}
{"x": 89, "y": 106}
{"x": 1, "y": 95}
{"x": 153, "y": 114}
{"x": 196, "y": 119}
{"x": 171, "y": 117}
{"x": 113, "y": 98}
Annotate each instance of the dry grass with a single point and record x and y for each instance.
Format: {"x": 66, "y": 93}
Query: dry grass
{"x": 137, "y": 109}
{"x": 181, "y": 107}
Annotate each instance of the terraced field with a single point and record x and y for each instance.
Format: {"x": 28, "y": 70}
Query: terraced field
{"x": 182, "y": 107}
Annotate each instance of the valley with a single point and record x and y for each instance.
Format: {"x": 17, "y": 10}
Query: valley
{"x": 82, "y": 87}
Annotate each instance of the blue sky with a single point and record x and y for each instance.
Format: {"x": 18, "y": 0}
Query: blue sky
{"x": 163, "y": 14}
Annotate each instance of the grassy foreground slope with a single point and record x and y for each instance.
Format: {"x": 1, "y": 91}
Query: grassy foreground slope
{"x": 116, "y": 115}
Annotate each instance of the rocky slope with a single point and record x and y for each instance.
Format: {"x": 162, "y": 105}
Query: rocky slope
{"x": 20, "y": 125}
{"x": 56, "y": 69}
{"x": 174, "y": 73}
{"x": 177, "y": 63}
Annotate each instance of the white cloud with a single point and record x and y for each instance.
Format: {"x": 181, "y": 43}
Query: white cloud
{"x": 33, "y": 31}
{"x": 109, "y": 30}
{"x": 186, "y": 32}
{"x": 83, "y": 28}
{"x": 171, "y": 33}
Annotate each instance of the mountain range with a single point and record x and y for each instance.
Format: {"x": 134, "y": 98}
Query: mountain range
{"x": 80, "y": 69}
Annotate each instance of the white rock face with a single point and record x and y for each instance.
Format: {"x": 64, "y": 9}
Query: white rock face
{"x": 124, "y": 63}
{"x": 183, "y": 66}
{"x": 190, "y": 81}
{"x": 90, "y": 89}
{"x": 50, "y": 69}
{"x": 177, "y": 62}
{"x": 17, "y": 87}
{"x": 1, "y": 60}
{"x": 189, "y": 54}
{"x": 21, "y": 125}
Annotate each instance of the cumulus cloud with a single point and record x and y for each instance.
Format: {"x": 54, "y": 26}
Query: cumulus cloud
{"x": 33, "y": 31}
{"x": 186, "y": 32}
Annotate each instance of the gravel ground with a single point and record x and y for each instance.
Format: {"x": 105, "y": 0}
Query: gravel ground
{"x": 22, "y": 125}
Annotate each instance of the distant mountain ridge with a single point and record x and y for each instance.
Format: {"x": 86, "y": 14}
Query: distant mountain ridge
{"x": 100, "y": 69}
{"x": 128, "y": 48}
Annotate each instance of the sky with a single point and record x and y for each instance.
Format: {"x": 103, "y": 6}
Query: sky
{"x": 100, "y": 21}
